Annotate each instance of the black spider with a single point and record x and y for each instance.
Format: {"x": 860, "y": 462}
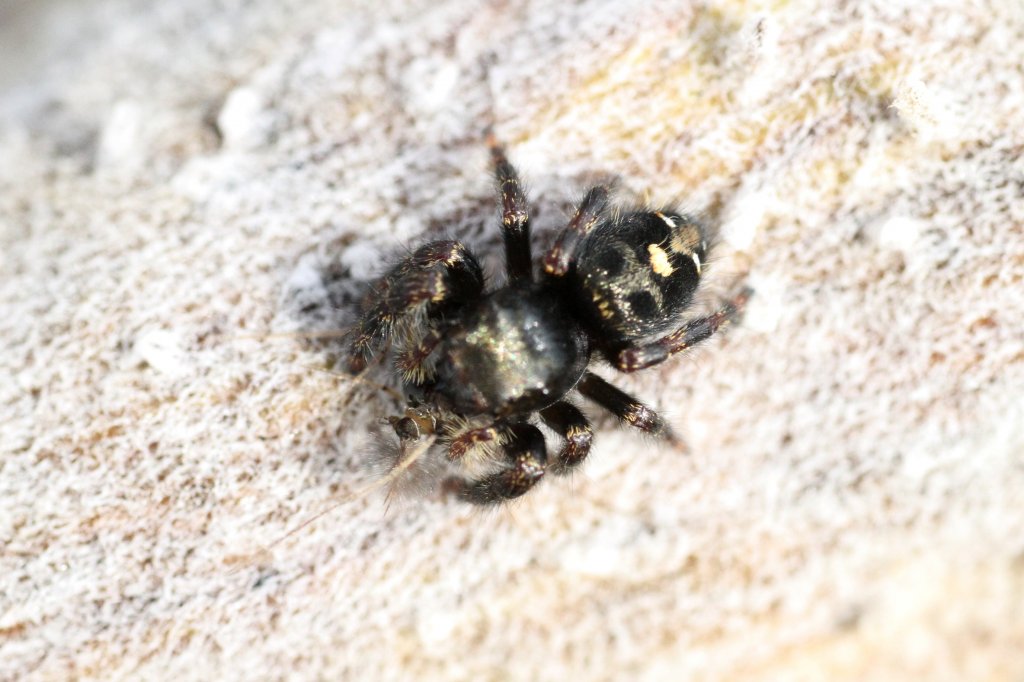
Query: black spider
{"x": 478, "y": 364}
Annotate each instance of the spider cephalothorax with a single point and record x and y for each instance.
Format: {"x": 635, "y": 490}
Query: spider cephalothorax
{"x": 481, "y": 366}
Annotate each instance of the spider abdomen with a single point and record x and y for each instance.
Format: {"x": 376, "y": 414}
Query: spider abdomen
{"x": 517, "y": 351}
{"x": 636, "y": 274}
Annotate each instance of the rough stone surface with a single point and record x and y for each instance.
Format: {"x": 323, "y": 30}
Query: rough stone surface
{"x": 177, "y": 179}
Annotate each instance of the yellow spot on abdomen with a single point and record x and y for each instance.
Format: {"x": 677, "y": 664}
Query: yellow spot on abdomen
{"x": 659, "y": 260}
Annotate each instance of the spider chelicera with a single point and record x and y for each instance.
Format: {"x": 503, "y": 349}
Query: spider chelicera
{"x": 481, "y": 366}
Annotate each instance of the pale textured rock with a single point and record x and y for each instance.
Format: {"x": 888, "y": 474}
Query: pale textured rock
{"x": 178, "y": 178}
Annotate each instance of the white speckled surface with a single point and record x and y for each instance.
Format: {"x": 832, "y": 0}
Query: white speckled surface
{"x": 177, "y": 178}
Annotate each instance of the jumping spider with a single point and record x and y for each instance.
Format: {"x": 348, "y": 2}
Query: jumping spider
{"x": 478, "y": 364}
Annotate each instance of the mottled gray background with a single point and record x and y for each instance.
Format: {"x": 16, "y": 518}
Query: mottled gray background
{"x": 178, "y": 179}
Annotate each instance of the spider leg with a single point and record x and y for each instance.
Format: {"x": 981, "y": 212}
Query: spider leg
{"x": 437, "y": 274}
{"x": 566, "y": 419}
{"x": 624, "y": 406}
{"x": 515, "y": 215}
{"x": 412, "y": 361}
{"x": 525, "y": 455}
{"x": 467, "y": 440}
{"x": 633, "y": 358}
{"x": 560, "y": 257}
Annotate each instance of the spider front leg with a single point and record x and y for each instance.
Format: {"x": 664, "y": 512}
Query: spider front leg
{"x": 633, "y": 358}
{"x": 567, "y": 421}
{"x": 412, "y": 360}
{"x": 465, "y": 441}
{"x": 515, "y": 215}
{"x": 437, "y": 274}
{"x": 624, "y": 406}
{"x": 525, "y": 456}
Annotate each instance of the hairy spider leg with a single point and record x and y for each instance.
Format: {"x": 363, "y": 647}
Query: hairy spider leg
{"x": 412, "y": 360}
{"x": 633, "y": 358}
{"x": 515, "y": 215}
{"x": 567, "y": 421}
{"x": 525, "y": 455}
{"x": 624, "y": 406}
{"x": 436, "y": 274}
{"x": 559, "y": 259}
{"x": 485, "y": 435}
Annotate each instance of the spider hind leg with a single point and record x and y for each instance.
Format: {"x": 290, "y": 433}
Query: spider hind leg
{"x": 636, "y": 357}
